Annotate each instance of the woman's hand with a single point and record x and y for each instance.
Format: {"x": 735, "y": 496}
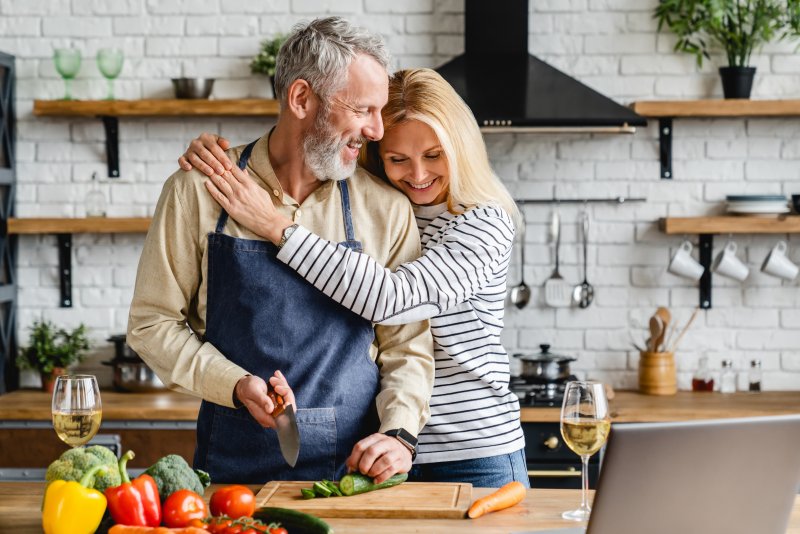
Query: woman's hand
{"x": 248, "y": 203}
{"x": 207, "y": 155}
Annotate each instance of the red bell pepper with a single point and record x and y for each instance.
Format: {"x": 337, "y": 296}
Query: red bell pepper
{"x": 134, "y": 503}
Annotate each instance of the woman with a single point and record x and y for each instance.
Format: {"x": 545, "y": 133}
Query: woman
{"x": 433, "y": 152}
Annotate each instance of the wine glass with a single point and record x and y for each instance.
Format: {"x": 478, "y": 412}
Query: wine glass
{"x": 76, "y": 409}
{"x": 585, "y": 424}
{"x": 68, "y": 63}
{"x": 109, "y": 62}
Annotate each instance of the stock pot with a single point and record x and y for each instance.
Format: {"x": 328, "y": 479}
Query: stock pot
{"x": 545, "y": 366}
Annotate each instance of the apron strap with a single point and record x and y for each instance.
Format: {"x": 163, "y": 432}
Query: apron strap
{"x": 348, "y": 220}
{"x": 223, "y": 216}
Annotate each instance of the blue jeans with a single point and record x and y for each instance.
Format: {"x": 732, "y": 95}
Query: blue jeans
{"x": 487, "y": 472}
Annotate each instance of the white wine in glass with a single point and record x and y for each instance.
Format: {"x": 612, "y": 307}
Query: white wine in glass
{"x": 76, "y": 409}
{"x": 585, "y": 424}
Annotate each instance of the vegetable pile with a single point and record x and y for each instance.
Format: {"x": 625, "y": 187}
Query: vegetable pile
{"x": 351, "y": 484}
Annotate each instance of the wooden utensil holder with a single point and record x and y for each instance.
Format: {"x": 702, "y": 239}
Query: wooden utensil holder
{"x": 657, "y": 374}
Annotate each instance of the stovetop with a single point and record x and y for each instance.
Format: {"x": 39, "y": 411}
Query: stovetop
{"x": 539, "y": 395}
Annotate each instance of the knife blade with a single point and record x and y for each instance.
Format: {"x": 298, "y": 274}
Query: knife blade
{"x": 286, "y": 427}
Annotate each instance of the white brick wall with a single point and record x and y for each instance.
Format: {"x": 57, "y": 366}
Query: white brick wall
{"x": 611, "y": 45}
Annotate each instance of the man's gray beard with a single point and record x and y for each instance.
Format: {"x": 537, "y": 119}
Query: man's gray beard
{"x": 323, "y": 151}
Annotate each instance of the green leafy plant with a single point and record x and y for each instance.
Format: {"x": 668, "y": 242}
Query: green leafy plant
{"x": 738, "y": 26}
{"x": 264, "y": 61}
{"x": 50, "y": 347}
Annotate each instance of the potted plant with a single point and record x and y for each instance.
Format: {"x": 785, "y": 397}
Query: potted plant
{"x": 738, "y": 26}
{"x": 51, "y": 350}
{"x": 264, "y": 62}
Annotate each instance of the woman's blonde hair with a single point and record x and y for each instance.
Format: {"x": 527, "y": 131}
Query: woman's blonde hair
{"x": 423, "y": 95}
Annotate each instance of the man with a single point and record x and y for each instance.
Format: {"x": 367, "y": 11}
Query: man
{"x": 248, "y": 315}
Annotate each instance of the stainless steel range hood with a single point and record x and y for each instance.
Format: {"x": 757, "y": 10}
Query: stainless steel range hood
{"x": 510, "y": 90}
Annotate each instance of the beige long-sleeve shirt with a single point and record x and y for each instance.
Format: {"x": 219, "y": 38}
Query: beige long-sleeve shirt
{"x": 167, "y": 318}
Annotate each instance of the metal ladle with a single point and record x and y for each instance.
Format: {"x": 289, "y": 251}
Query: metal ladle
{"x": 521, "y": 294}
{"x": 583, "y": 294}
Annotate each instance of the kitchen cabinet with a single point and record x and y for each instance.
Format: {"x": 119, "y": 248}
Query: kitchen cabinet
{"x": 706, "y": 227}
{"x": 151, "y": 424}
{"x": 666, "y": 110}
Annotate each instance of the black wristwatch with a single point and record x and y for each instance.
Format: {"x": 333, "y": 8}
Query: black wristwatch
{"x": 406, "y": 438}
{"x": 287, "y": 233}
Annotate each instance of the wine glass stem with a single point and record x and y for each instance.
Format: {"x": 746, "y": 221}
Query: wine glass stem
{"x": 585, "y": 483}
{"x": 67, "y": 89}
{"x": 110, "y": 89}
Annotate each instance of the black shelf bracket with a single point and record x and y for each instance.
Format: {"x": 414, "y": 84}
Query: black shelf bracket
{"x": 665, "y": 147}
{"x": 111, "y": 125}
{"x": 706, "y": 250}
{"x": 65, "y": 268}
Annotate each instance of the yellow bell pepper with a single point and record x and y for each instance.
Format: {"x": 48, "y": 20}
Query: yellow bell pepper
{"x": 73, "y": 507}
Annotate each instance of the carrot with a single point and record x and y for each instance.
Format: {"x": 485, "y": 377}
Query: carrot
{"x": 506, "y": 497}
{"x": 127, "y": 529}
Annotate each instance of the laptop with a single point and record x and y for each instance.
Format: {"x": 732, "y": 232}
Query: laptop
{"x": 721, "y": 476}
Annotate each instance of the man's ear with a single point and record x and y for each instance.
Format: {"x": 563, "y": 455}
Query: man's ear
{"x": 300, "y": 99}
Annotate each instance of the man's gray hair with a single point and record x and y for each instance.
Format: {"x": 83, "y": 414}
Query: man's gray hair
{"x": 320, "y": 52}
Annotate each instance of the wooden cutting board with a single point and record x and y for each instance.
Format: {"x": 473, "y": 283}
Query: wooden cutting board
{"x": 422, "y": 500}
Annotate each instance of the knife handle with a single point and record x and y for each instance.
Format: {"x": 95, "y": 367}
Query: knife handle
{"x": 277, "y": 400}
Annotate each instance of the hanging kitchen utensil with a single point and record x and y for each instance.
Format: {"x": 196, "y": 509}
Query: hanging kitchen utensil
{"x": 557, "y": 291}
{"x": 521, "y": 294}
{"x": 583, "y": 293}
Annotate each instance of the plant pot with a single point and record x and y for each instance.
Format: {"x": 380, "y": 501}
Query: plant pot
{"x": 49, "y": 379}
{"x": 737, "y": 81}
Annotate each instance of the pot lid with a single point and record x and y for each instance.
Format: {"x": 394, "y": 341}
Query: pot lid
{"x": 545, "y": 355}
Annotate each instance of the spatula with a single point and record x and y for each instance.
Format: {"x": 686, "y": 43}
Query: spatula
{"x": 557, "y": 291}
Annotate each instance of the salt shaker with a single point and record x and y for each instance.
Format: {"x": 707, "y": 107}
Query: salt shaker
{"x": 754, "y": 376}
{"x": 727, "y": 378}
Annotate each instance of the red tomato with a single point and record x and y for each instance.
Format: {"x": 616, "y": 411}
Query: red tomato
{"x": 233, "y": 529}
{"x": 233, "y": 501}
{"x": 198, "y": 523}
{"x": 218, "y": 525}
{"x": 279, "y": 530}
{"x": 183, "y": 506}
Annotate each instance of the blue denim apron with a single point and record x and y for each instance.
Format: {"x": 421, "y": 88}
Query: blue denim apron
{"x": 263, "y": 316}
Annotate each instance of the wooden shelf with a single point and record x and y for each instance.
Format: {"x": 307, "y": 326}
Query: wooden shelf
{"x": 717, "y": 108}
{"x": 90, "y": 225}
{"x": 255, "y": 107}
{"x": 731, "y": 224}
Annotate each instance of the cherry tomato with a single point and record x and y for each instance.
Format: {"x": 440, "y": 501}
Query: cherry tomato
{"x": 233, "y": 501}
{"x": 218, "y": 525}
{"x": 233, "y": 529}
{"x": 251, "y": 531}
{"x": 198, "y": 523}
{"x": 279, "y": 530}
{"x": 183, "y": 506}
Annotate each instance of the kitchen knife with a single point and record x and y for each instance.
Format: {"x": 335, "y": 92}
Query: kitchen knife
{"x": 288, "y": 434}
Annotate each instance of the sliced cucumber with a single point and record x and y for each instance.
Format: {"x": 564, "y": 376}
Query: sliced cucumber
{"x": 308, "y": 493}
{"x": 322, "y": 490}
{"x": 356, "y": 483}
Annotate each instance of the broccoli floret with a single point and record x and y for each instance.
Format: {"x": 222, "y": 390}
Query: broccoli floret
{"x": 75, "y": 462}
{"x": 172, "y": 473}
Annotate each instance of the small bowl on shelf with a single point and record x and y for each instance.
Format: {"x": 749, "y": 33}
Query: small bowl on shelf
{"x": 195, "y": 88}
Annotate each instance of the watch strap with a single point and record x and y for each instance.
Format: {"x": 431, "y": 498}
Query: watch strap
{"x": 406, "y": 438}
{"x": 287, "y": 233}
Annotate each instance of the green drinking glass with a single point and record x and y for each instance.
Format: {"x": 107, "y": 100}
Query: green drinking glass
{"x": 109, "y": 62}
{"x": 68, "y": 63}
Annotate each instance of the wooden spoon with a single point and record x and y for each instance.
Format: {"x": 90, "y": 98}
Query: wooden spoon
{"x": 656, "y": 333}
{"x": 666, "y": 317}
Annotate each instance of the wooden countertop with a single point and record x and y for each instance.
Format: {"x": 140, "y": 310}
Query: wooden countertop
{"x": 20, "y": 512}
{"x": 633, "y": 407}
{"x": 34, "y": 405}
{"x": 626, "y": 407}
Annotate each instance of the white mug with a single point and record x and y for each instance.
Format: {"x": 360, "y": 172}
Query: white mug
{"x": 777, "y": 264}
{"x": 727, "y": 264}
{"x": 683, "y": 264}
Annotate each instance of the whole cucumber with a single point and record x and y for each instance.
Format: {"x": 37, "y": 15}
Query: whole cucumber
{"x": 293, "y": 521}
{"x": 356, "y": 483}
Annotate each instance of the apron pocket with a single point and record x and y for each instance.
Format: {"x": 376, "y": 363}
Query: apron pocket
{"x": 242, "y": 451}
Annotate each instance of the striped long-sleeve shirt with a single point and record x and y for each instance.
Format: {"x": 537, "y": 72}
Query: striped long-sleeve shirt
{"x": 460, "y": 284}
